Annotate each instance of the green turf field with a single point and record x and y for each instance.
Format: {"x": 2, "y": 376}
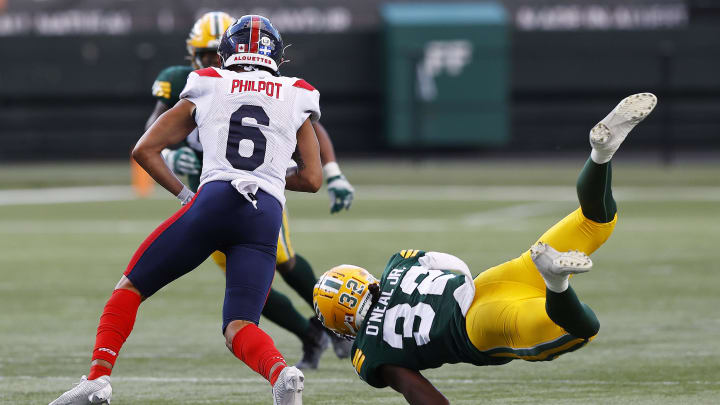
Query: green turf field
{"x": 654, "y": 286}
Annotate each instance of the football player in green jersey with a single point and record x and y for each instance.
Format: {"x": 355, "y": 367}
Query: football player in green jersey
{"x": 427, "y": 310}
{"x": 185, "y": 159}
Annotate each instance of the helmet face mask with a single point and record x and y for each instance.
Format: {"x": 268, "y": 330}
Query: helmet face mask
{"x": 205, "y": 37}
{"x": 342, "y": 298}
{"x": 206, "y": 58}
{"x": 252, "y": 40}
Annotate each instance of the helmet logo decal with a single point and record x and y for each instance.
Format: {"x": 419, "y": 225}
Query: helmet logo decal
{"x": 241, "y": 48}
{"x": 265, "y": 47}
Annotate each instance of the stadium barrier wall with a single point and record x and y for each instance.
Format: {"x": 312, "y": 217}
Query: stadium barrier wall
{"x": 90, "y": 96}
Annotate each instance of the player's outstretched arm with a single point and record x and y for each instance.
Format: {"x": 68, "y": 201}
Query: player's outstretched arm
{"x": 340, "y": 191}
{"x": 308, "y": 177}
{"x": 170, "y": 128}
{"x": 415, "y": 388}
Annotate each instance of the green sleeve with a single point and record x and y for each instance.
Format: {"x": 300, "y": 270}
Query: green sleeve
{"x": 170, "y": 83}
{"x": 366, "y": 367}
{"x": 399, "y": 257}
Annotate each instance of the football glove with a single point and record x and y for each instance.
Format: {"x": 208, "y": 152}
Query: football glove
{"x": 183, "y": 160}
{"x": 341, "y": 193}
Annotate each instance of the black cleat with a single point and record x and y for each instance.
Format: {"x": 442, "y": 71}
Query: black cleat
{"x": 341, "y": 346}
{"x": 314, "y": 344}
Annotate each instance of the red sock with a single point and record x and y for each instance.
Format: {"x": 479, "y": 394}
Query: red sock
{"x": 116, "y": 323}
{"x": 257, "y": 349}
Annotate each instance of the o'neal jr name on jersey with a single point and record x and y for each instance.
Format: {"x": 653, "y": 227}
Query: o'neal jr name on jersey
{"x": 419, "y": 320}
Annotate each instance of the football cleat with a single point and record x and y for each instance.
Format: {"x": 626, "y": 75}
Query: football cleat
{"x": 206, "y": 34}
{"x": 607, "y": 135}
{"x": 314, "y": 344}
{"x": 341, "y": 346}
{"x": 252, "y": 40}
{"x": 288, "y": 388}
{"x": 87, "y": 392}
{"x": 552, "y": 263}
{"x": 342, "y": 298}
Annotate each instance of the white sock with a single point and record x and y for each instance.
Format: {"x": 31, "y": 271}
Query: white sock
{"x": 600, "y": 157}
{"x": 556, "y": 284}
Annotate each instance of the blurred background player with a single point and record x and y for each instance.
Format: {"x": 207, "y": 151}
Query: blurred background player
{"x": 238, "y": 208}
{"x": 186, "y": 159}
{"x": 423, "y": 314}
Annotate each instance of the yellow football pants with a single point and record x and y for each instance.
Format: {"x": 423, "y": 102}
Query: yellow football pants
{"x": 507, "y": 317}
{"x": 284, "y": 248}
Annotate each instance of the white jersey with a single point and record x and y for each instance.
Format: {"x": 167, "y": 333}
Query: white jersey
{"x": 247, "y": 125}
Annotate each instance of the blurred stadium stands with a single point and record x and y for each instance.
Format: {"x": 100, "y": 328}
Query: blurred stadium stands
{"x": 76, "y": 75}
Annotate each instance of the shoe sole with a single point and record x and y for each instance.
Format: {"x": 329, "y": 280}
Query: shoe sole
{"x": 631, "y": 109}
{"x": 570, "y": 262}
{"x": 295, "y": 382}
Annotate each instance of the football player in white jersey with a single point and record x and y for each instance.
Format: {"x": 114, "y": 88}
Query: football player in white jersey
{"x": 250, "y": 122}
{"x": 297, "y": 272}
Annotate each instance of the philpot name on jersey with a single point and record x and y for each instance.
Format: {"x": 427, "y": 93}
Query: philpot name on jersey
{"x": 270, "y": 88}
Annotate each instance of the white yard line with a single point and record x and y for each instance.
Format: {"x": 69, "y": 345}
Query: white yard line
{"x": 467, "y": 223}
{"x": 384, "y": 193}
{"x": 246, "y": 380}
{"x": 65, "y": 195}
{"x": 511, "y": 213}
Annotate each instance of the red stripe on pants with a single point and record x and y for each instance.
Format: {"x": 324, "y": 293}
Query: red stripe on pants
{"x": 156, "y": 233}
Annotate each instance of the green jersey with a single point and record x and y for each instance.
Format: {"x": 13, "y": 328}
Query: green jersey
{"x": 167, "y": 88}
{"x": 419, "y": 320}
{"x": 170, "y": 83}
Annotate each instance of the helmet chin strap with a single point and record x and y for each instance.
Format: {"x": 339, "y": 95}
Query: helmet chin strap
{"x": 363, "y": 308}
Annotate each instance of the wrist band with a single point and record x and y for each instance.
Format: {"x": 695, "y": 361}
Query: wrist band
{"x": 331, "y": 170}
{"x": 185, "y": 195}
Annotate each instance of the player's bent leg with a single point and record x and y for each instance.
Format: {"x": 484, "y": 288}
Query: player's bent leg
{"x": 294, "y": 269}
{"x": 574, "y": 232}
{"x": 518, "y": 327}
{"x": 256, "y": 348}
{"x": 249, "y": 276}
{"x": 562, "y": 305}
{"x": 285, "y": 252}
{"x": 577, "y": 232}
{"x": 522, "y": 329}
{"x": 281, "y": 311}
{"x": 299, "y": 275}
{"x": 594, "y": 192}
{"x": 155, "y": 264}
{"x": 176, "y": 247}
{"x": 517, "y": 315}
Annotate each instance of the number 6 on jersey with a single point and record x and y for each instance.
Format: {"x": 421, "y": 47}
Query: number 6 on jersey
{"x": 246, "y": 144}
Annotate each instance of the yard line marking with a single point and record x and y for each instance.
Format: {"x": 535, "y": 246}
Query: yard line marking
{"x": 352, "y": 380}
{"x": 511, "y": 213}
{"x": 60, "y": 195}
{"x": 57, "y": 195}
{"x": 531, "y": 193}
{"x": 493, "y": 219}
